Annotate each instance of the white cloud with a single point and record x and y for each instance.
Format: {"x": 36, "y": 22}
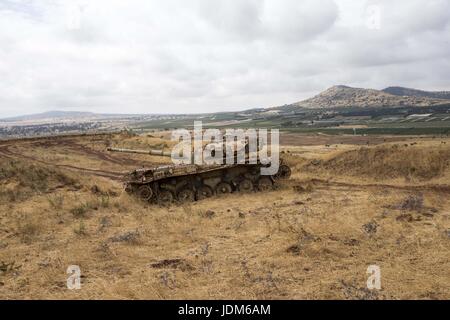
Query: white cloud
{"x": 211, "y": 55}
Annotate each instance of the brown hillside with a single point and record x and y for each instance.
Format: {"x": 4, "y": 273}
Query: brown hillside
{"x": 343, "y": 96}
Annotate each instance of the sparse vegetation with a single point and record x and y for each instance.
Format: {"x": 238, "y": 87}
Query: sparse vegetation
{"x": 80, "y": 229}
{"x": 56, "y": 201}
{"x": 131, "y": 237}
{"x": 80, "y": 210}
{"x": 345, "y": 208}
{"x": 28, "y": 227}
{"x": 388, "y": 162}
{"x": 22, "y": 180}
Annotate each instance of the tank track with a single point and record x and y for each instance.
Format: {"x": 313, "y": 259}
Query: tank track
{"x": 198, "y": 186}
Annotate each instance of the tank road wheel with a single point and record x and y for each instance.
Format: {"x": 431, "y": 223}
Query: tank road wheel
{"x": 144, "y": 192}
{"x": 246, "y": 185}
{"x": 186, "y": 195}
{"x": 129, "y": 188}
{"x": 165, "y": 197}
{"x": 252, "y": 174}
{"x": 223, "y": 188}
{"x": 204, "y": 192}
{"x": 265, "y": 184}
{"x": 284, "y": 172}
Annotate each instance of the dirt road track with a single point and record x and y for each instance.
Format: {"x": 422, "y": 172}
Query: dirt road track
{"x": 6, "y": 152}
{"x": 426, "y": 187}
{"x": 69, "y": 143}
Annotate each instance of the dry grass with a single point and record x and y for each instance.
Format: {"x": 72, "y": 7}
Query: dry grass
{"x": 400, "y": 164}
{"x": 305, "y": 240}
{"x": 392, "y": 161}
{"x": 21, "y": 180}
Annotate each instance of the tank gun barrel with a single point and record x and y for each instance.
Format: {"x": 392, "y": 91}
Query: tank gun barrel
{"x": 152, "y": 152}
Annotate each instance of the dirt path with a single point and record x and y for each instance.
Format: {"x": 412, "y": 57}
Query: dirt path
{"x": 426, "y": 187}
{"x": 6, "y": 152}
{"x": 70, "y": 144}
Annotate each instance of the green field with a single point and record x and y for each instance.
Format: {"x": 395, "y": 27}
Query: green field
{"x": 376, "y": 121}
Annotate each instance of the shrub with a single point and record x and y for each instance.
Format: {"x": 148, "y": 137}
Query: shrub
{"x": 80, "y": 229}
{"x": 28, "y": 228}
{"x": 80, "y": 210}
{"x": 56, "y": 201}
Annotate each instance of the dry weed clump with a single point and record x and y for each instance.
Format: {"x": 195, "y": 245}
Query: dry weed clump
{"x": 98, "y": 190}
{"x": 131, "y": 237}
{"x": 352, "y": 291}
{"x": 207, "y": 213}
{"x": 80, "y": 229}
{"x": 176, "y": 263}
{"x": 305, "y": 188}
{"x": 82, "y": 208}
{"x": 412, "y": 202}
{"x": 28, "y": 227}
{"x": 56, "y": 201}
{"x": 370, "y": 227}
{"x": 7, "y": 267}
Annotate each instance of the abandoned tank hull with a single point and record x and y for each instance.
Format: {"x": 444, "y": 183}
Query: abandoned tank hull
{"x": 190, "y": 182}
{"x": 181, "y": 183}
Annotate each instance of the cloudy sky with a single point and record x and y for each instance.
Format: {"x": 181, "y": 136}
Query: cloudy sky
{"x": 212, "y": 55}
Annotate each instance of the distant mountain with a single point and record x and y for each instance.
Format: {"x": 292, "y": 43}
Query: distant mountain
{"x": 401, "y": 91}
{"x": 52, "y": 115}
{"x": 66, "y": 115}
{"x": 344, "y": 96}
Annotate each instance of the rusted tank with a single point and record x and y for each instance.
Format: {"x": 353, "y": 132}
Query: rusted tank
{"x": 165, "y": 184}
